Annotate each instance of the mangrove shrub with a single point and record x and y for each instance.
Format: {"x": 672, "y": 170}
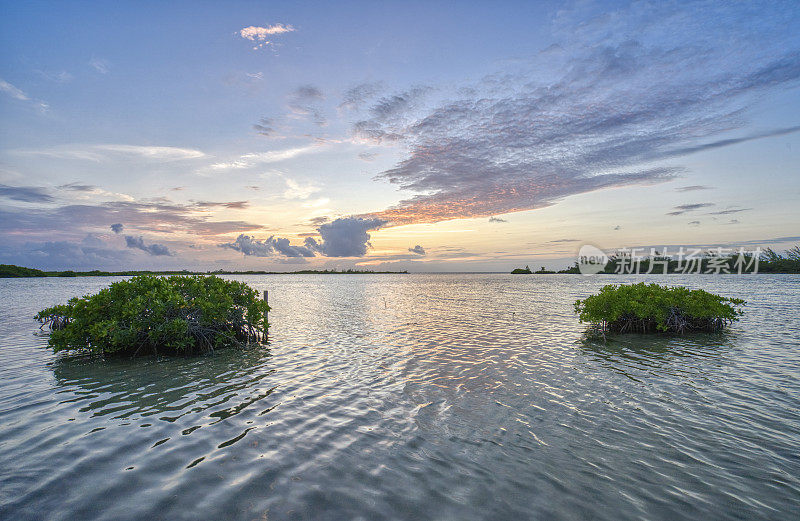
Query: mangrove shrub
{"x": 649, "y": 308}
{"x": 159, "y": 315}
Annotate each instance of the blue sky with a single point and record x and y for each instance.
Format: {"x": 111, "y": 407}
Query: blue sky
{"x": 428, "y": 136}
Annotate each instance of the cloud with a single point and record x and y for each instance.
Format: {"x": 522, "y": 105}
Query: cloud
{"x": 307, "y": 93}
{"x": 322, "y": 201}
{"x": 357, "y": 96}
{"x": 260, "y": 35}
{"x": 254, "y": 33}
{"x": 683, "y": 208}
{"x": 733, "y": 141}
{"x": 73, "y": 220}
{"x": 305, "y": 101}
{"x": 99, "y": 65}
{"x": 730, "y": 211}
{"x": 367, "y": 156}
{"x": 56, "y": 77}
{"x": 418, "y": 250}
{"x": 100, "y": 153}
{"x": 391, "y": 116}
{"x": 494, "y": 219}
{"x": 692, "y": 188}
{"x": 13, "y": 91}
{"x": 77, "y": 187}
{"x": 253, "y": 159}
{"x": 265, "y": 127}
{"x": 26, "y": 194}
{"x": 345, "y": 237}
{"x": 19, "y": 95}
{"x": 117, "y": 228}
{"x": 234, "y": 205}
{"x": 694, "y": 223}
{"x": 484, "y": 199}
{"x": 86, "y": 191}
{"x": 316, "y": 221}
{"x": 295, "y": 190}
{"x": 154, "y": 152}
{"x": 152, "y": 249}
{"x": 252, "y": 247}
{"x": 606, "y": 112}
{"x": 87, "y": 254}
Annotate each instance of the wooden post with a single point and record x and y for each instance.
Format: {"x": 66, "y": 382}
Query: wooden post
{"x": 266, "y": 315}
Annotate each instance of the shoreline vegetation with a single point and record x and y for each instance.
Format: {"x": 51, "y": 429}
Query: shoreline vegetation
{"x": 148, "y": 314}
{"x": 769, "y": 261}
{"x": 12, "y": 271}
{"x": 650, "y": 308}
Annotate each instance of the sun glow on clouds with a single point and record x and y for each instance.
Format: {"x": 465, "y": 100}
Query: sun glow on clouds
{"x": 317, "y": 203}
{"x": 609, "y": 114}
{"x": 598, "y": 109}
{"x": 295, "y": 190}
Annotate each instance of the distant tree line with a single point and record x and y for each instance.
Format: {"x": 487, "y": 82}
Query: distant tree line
{"x": 710, "y": 261}
{"x": 12, "y": 271}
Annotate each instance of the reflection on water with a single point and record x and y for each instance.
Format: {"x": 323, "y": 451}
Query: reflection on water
{"x": 633, "y": 353}
{"x": 166, "y": 388}
{"x": 411, "y": 397}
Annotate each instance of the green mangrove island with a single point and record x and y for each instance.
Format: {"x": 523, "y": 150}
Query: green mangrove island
{"x": 650, "y": 308}
{"x": 148, "y": 314}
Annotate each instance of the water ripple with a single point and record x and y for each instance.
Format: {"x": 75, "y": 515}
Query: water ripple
{"x": 411, "y": 397}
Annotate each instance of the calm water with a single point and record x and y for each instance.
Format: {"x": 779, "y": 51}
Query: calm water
{"x": 411, "y": 397}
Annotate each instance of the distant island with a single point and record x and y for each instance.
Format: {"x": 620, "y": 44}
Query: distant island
{"x": 769, "y": 261}
{"x": 544, "y": 271}
{"x": 12, "y": 271}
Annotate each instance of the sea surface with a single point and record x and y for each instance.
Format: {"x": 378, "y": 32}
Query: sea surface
{"x": 411, "y": 397}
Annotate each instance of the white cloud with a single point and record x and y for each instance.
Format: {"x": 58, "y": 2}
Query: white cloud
{"x": 297, "y": 191}
{"x": 322, "y": 201}
{"x": 88, "y": 192}
{"x": 253, "y": 159}
{"x": 100, "y": 153}
{"x": 155, "y": 152}
{"x": 99, "y": 65}
{"x": 56, "y": 77}
{"x": 13, "y": 91}
{"x": 259, "y": 35}
{"x": 18, "y": 94}
{"x": 254, "y": 33}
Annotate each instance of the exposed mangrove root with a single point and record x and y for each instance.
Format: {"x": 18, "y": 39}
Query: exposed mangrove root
{"x": 676, "y": 322}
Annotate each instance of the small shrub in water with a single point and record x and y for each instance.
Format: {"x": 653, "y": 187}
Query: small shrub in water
{"x": 650, "y": 308}
{"x": 160, "y": 315}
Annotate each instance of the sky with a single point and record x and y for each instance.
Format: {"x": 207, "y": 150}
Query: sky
{"x": 422, "y": 136}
